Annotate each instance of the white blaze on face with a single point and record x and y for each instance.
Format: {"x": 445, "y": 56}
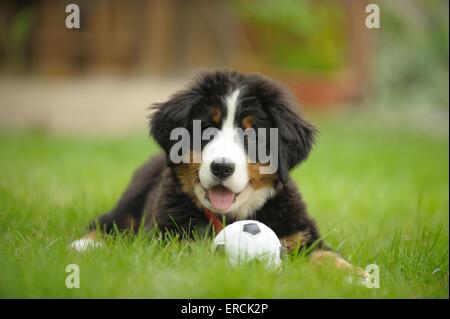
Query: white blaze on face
{"x": 231, "y": 103}
{"x": 226, "y": 145}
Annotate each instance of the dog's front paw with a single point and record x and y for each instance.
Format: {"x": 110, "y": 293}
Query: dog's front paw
{"x": 85, "y": 243}
{"x": 82, "y": 245}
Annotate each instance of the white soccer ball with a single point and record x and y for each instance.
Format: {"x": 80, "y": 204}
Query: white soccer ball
{"x": 248, "y": 240}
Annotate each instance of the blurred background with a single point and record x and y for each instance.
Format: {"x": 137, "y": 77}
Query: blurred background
{"x": 127, "y": 55}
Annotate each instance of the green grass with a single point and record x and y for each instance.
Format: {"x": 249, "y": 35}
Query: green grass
{"x": 379, "y": 195}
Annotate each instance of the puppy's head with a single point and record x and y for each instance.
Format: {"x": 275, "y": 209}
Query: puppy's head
{"x": 231, "y": 138}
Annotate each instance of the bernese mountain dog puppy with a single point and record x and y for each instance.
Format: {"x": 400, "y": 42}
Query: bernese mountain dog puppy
{"x": 217, "y": 177}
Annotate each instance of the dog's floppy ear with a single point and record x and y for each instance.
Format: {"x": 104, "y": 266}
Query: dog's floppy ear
{"x": 174, "y": 113}
{"x": 295, "y": 137}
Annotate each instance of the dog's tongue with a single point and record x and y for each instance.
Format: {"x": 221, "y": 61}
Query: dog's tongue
{"x": 221, "y": 197}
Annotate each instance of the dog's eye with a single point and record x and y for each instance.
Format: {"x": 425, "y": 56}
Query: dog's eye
{"x": 207, "y": 125}
{"x": 252, "y": 138}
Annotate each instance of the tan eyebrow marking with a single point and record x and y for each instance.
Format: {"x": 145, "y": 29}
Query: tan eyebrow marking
{"x": 247, "y": 122}
{"x": 216, "y": 115}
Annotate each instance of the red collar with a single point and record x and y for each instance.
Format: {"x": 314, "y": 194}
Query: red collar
{"x": 213, "y": 220}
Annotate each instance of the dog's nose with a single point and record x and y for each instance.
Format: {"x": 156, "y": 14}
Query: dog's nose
{"x": 222, "y": 167}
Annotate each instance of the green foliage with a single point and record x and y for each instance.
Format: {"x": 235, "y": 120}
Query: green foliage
{"x": 410, "y": 67}
{"x": 296, "y": 34}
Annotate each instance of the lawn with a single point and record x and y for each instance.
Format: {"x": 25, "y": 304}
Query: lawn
{"x": 379, "y": 195}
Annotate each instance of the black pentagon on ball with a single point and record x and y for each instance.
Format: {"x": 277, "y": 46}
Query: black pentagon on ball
{"x": 252, "y": 228}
